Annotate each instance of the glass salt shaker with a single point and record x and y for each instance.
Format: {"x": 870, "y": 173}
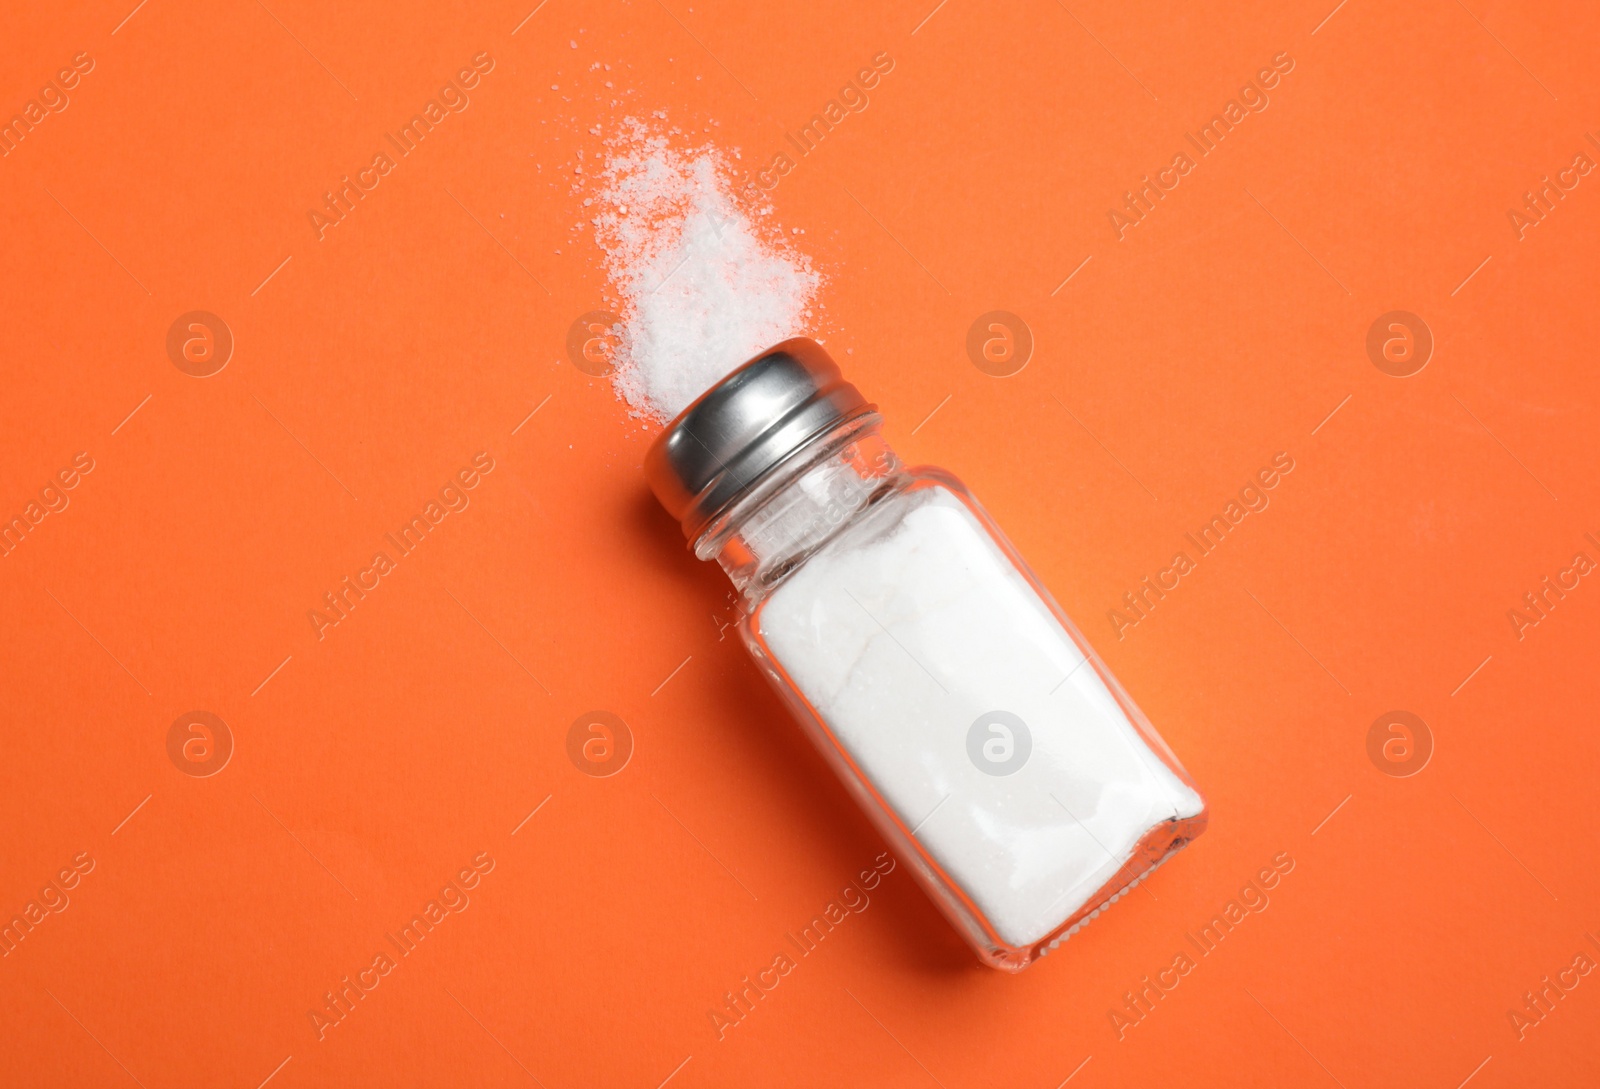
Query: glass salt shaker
{"x": 958, "y": 704}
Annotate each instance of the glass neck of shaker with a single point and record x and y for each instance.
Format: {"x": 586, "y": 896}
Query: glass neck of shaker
{"x": 803, "y": 504}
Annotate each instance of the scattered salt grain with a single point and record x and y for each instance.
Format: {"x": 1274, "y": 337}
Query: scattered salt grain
{"x": 700, "y": 285}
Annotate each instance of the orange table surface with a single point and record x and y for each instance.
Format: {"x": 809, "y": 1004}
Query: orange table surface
{"x": 1357, "y": 238}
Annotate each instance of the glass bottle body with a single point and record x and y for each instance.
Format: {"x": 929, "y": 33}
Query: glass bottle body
{"x": 957, "y": 703}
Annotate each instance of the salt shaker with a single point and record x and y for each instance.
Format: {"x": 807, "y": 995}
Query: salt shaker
{"x": 958, "y": 704}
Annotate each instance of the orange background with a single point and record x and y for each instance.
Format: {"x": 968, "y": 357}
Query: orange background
{"x": 375, "y": 763}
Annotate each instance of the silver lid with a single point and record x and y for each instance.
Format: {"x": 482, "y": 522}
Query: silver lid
{"x": 747, "y": 425}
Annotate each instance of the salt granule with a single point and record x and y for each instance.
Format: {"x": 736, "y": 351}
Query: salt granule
{"x": 702, "y": 287}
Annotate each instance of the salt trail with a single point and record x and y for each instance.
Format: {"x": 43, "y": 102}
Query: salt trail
{"x": 703, "y": 284}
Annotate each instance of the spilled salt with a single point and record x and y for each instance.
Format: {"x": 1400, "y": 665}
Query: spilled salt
{"x": 700, "y": 282}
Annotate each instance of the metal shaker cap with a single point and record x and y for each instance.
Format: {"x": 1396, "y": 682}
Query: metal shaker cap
{"x": 745, "y": 427}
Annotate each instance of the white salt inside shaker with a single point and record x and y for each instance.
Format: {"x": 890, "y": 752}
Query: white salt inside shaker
{"x": 905, "y": 637}
{"x": 960, "y": 707}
